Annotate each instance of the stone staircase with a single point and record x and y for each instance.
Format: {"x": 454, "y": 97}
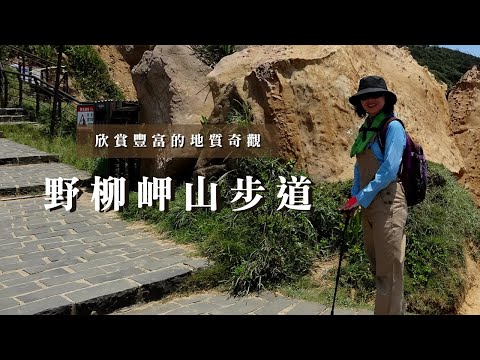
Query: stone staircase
{"x": 23, "y": 169}
{"x": 81, "y": 262}
{"x": 13, "y": 115}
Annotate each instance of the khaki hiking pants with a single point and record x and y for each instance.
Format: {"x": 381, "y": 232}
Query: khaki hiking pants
{"x": 383, "y": 223}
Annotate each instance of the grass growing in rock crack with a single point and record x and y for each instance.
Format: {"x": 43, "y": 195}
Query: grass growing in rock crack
{"x": 212, "y": 54}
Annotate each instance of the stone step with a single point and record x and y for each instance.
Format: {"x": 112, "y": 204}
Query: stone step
{"x": 19, "y": 123}
{"x": 215, "y": 303}
{"x": 12, "y": 111}
{"x": 16, "y": 180}
{"x": 14, "y": 153}
{"x": 11, "y": 118}
{"x": 60, "y": 262}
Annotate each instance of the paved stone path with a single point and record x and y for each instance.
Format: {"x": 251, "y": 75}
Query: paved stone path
{"x": 23, "y": 169}
{"x": 17, "y": 179}
{"x": 74, "y": 262}
{"x": 77, "y": 262}
{"x": 214, "y": 303}
{"x": 13, "y": 153}
{"x": 58, "y": 262}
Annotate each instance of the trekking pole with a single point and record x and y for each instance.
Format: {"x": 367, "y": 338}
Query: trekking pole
{"x": 342, "y": 250}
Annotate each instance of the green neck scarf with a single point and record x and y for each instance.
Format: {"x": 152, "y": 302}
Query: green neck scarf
{"x": 366, "y": 133}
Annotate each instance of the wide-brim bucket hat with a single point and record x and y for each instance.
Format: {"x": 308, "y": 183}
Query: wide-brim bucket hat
{"x": 371, "y": 84}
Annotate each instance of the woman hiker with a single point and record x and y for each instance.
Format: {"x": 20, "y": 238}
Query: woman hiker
{"x": 377, "y": 190}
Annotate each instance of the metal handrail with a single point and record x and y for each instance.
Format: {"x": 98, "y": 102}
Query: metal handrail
{"x": 14, "y": 94}
{"x": 68, "y": 109}
{"x": 31, "y": 55}
{"x": 47, "y": 86}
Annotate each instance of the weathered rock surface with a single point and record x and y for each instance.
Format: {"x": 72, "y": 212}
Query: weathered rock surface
{"x": 172, "y": 88}
{"x": 118, "y": 69}
{"x": 304, "y": 90}
{"x": 464, "y": 101}
{"x": 132, "y": 54}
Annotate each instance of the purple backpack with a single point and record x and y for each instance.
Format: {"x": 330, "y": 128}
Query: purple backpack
{"x": 413, "y": 169}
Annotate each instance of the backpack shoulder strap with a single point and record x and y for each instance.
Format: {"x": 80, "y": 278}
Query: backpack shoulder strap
{"x": 384, "y": 128}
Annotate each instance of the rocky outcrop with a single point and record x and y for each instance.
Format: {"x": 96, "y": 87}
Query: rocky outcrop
{"x": 172, "y": 88}
{"x": 132, "y": 54}
{"x": 118, "y": 69}
{"x": 464, "y": 101}
{"x": 304, "y": 90}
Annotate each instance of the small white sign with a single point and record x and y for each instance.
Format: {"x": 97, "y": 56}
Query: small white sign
{"x": 85, "y": 115}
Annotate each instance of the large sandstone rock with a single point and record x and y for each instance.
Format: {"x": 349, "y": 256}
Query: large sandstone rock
{"x": 464, "y": 101}
{"x": 132, "y": 54}
{"x": 304, "y": 90}
{"x": 172, "y": 88}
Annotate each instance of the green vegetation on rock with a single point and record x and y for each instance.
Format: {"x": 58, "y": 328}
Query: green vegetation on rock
{"x": 212, "y": 54}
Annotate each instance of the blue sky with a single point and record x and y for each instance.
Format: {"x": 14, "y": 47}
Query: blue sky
{"x": 469, "y": 49}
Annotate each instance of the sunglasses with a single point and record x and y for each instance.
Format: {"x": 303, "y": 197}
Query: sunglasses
{"x": 373, "y": 95}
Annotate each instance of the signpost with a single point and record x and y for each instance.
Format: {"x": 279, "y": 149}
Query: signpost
{"x": 85, "y": 115}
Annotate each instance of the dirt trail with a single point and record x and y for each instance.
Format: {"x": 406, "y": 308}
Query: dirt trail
{"x": 118, "y": 69}
{"x": 471, "y": 306}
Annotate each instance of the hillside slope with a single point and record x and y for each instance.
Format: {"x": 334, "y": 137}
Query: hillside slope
{"x": 464, "y": 101}
{"x": 446, "y": 64}
{"x": 118, "y": 69}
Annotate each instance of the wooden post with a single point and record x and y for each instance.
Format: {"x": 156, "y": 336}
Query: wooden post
{"x": 1, "y": 85}
{"x": 6, "y": 92}
{"x": 23, "y": 67}
{"x": 59, "y": 111}
{"x": 20, "y": 85}
{"x": 55, "y": 120}
{"x": 65, "y": 84}
{"x": 37, "y": 104}
{"x": 37, "y": 99}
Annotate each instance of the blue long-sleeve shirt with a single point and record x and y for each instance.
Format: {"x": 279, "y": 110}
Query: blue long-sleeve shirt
{"x": 395, "y": 142}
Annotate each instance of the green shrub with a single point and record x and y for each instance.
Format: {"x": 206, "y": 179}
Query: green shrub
{"x": 256, "y": 247}
{"x": 437, "y": 232}
{"x": 265, "y": 247}
{"x": 91, "y": 73}
{"x": 47, "y": 52}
